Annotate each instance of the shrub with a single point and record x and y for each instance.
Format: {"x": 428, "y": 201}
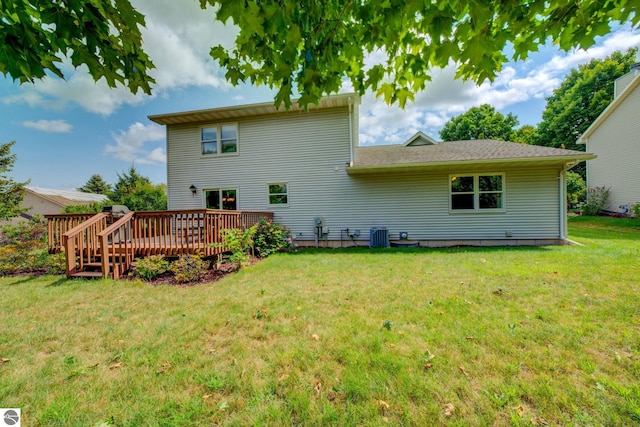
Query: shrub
{"x": 189, "y": 268}
{"x": 270, "y": 238}
{"x": 576, "y": 189}
{"x": 23, "y": 247}
{"x": 57, "y": 263}
{"x": 239, "y": 242}
{"x": 150, "y": 267}
{"x": 596, "y": 199}
{"x": 634, "y": 210}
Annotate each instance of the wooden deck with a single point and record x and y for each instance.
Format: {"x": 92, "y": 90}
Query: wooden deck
{"x": 100, "y": 242}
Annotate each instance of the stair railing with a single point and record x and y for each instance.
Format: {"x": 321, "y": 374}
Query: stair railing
{"x": 117, "y": 244}
{"x": 58, "y": 224}
{"x": 81, "y": 243}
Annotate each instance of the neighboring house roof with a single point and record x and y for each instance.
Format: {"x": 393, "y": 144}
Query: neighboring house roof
{"x": 420, "y": 138}
{"x": 610, "y": 109}
{"x": 239, "y": 111}
{"x": 459, "y": 153}
{"x": 64, "y": 198}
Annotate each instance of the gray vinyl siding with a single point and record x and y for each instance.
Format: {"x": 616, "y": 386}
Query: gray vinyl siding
{"x": 310, "y": 152}
{"x": 616, "y": 142}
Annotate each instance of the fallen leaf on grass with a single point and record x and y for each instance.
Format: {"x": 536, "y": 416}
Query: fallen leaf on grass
{"x": 164, "y": 368}
{"x": 317, "y": 387}
{"x": 382, "y": 405}
{"x": 207, "y": 396}
{"x": 520, "y": 410}
{"x": 448, "y": 410}
{"x": 427, "y": 366}
{"x": 4, "y": 360}
{"x": 469, "y": 338}
{"x": 315, "y": 337}
{"x": 116, "y": 366}
{"x": 464, "y": 371}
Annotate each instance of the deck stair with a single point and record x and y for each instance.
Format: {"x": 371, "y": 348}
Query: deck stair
{"x": 85, "y": 239}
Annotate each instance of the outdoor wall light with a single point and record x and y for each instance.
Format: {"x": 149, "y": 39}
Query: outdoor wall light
{"x": 193, "y": 190}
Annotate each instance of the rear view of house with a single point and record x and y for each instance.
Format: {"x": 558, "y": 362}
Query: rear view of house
{"x": 309, "y": 170}
{"x": 615, "y": 138}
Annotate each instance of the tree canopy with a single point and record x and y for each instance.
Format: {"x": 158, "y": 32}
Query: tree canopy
{"x": 11, "y": 192}
{"x": 96, "y": 184}
{"x": 309, "y": 47}
{"x": 138, "y": 193}
{"x": 36, "y": 36}
{"x": 482, "y": 122}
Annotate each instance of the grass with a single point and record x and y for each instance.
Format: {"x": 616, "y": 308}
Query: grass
{"x": 465, "y": 336}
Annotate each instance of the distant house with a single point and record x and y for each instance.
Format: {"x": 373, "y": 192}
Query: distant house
{"x": 308, "y": 168}
{"x": 45, "y": 201}
{"x": 615, "y": 138}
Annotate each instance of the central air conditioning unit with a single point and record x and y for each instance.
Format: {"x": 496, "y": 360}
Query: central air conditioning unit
{"x": 379, "y": 237}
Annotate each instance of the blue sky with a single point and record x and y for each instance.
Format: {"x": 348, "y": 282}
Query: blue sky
{"x": 67, "y": 130}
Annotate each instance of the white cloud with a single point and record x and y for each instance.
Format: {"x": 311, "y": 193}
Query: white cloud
{"x": 53, "y": 126}
{"x": 130, "y": 144}
{"x": 445, "y": 97}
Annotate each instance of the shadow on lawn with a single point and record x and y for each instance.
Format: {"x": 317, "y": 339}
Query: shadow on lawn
{"x": 418, "y": 250}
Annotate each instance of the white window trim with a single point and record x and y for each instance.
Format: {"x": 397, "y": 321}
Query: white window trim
{"x": 219, "y": 141}
{"x": 476, "y": 193}
{"x": 223, "y": 188}
{"x": 288, "y": 194}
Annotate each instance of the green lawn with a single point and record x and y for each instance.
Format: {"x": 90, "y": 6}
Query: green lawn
{"x": 466, "y": 336}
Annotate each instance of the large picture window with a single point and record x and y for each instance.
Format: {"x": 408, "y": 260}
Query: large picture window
{"x": 220, "y": 139}
{"x": 226, "y": 199}
{"x": 477, "y": 192}
{"x": 278, "y": 194}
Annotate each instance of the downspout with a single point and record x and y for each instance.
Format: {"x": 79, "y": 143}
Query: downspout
{"x": 562, "y": 178}
{"x": 351, "y": 149}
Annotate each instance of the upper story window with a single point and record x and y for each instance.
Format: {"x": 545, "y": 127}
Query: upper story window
{"x": 278, "y": 194}
{"x": 220, "y": 139}
{"x": 477, "y": 192}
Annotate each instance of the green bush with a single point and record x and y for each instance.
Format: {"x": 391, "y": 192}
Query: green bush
{"x": 271, "y": 238}
{"x": 189, "y": 268}
{"x": 150, "y": 267}
{"x": 56, "y": 263}
{"x": 634, "y": 210}
{"x": 240, "y": 243}
{"x": 23, "y": 247}
{"x": 576, "y": 190}
{"x": 596, "y": 199}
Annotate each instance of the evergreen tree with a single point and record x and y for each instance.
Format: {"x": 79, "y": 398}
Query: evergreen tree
{"x": 11, "y": 192}
{"x": 97, "y": 185}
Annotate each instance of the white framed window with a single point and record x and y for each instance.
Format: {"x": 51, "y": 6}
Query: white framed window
{"x": 219, "y": 139}
{"x": 221, "y": 198}
{"x": 278, "y": 194}
{"x": 476, "y": 192}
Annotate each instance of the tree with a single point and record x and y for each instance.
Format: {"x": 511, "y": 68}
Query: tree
{"x": 482, "y": 122}
{"x": 96, "y": 184}
{"x": 579, "y": 100}
{"x": 35, "y": 36}
{"x": 11, "y": 192}
{"x": 310, "y": 46}
{"x": 138, "y": 193}
{"x": 526, "y": 134}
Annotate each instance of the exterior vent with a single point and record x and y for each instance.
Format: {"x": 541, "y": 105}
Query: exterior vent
{"x": 379, "y": 238}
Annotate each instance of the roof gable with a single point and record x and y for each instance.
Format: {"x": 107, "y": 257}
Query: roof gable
{"x": 610, "y": 109}
{"x": 66, "y": 197}
{"x": 419, "y": 138}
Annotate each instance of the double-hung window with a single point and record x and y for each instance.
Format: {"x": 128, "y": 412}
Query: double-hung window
{"x": 477, "y": 192}
{"x": 226, "y": 199}
{"x": 279, "y": 194}
{"x": 219, "y": 139}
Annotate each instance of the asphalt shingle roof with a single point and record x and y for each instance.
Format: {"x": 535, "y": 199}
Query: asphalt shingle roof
{"x": 460, "y": 151}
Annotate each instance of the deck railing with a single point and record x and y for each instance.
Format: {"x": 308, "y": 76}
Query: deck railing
{"x": 169, "y": 233}
{"x": 118, "y": 246}
{"x": 81, "y": 243}
{"x": 57, "y": 225}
